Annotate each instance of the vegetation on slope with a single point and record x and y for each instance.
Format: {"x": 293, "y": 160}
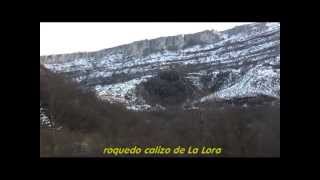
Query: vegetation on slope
{"x": 89, "y": 124}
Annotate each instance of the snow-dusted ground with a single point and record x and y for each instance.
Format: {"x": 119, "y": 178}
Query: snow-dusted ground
{"x": 259, "y": 80}
{"x": 44, "y": 120}
{"x": 123, "y": 93}
{"x": 257, "y": 43}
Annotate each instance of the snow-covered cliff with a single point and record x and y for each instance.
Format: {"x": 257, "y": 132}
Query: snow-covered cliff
{"x": 245, "y": 60}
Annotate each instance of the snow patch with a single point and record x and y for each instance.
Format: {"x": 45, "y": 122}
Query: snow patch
{"x": 259, "y": 80}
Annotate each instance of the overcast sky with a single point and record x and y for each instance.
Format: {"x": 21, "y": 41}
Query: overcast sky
{"x": 57, "y": 38}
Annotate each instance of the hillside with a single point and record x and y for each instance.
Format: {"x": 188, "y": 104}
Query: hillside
{"x": 236, "y": 63}
{"x": 205, "y": 89}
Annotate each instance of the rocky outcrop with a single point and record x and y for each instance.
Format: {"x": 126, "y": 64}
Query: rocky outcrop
{"x": 202, "y": 38}
{"x": 142, "y": 48}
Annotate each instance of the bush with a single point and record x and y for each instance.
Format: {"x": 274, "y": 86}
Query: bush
{"x": 167, "y": 88}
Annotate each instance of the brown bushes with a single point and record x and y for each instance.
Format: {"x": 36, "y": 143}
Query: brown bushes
{"x": 90, "y": 124}
{"x": 73, "y": 107}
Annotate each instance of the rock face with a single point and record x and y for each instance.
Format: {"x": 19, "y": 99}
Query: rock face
{"x": 142, "y": 48}
{"x": 239, "y": 62}
{"x": 201, "y": 38}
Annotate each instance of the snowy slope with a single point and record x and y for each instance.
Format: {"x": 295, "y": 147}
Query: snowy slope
{"x": 249, "y": 53}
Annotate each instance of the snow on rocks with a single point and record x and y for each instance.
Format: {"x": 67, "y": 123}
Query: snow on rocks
{"x": 259, "y": 80}
{"x": 122, "y": 93}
